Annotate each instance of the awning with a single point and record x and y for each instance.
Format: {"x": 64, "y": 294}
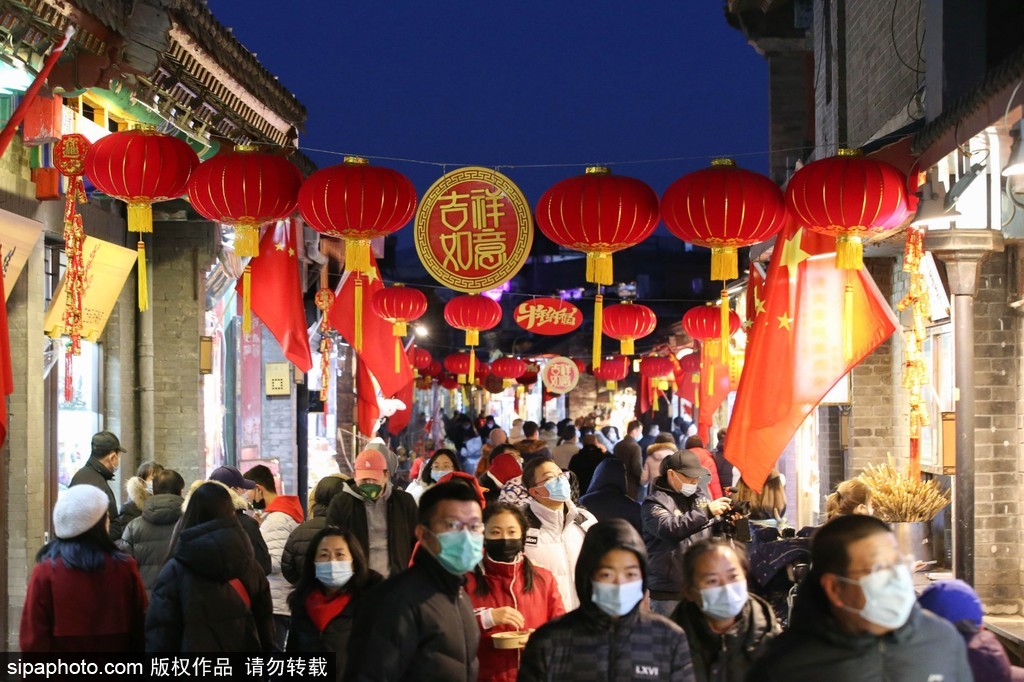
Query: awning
{"x": 18, "y": 236}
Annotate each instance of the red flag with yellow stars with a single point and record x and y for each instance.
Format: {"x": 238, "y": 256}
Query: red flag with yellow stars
{"x": 276, "y": 292}
{"x": 755, "y": 294}
{"x": 799, "y": 347}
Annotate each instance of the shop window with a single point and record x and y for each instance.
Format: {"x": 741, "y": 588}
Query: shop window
{"x": 78, "y": 415}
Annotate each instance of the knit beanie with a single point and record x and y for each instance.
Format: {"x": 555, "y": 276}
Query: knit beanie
{"x": 954, "y": 600}
{"x": 78, "y": 509}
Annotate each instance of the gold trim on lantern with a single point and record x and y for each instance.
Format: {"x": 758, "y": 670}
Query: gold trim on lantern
{"x": 849, "y": 252}
{"x": 357, "y": 254}
{"x": 598, "y": 170}
{"x": 247, "y": 240}
{"x": 626, "y": 346}
{"x": 246, "y": 148}
{"x": 356, "y": 161}
{"x": 599, "y": 268}
{"x": 722, "y": 161}
{"x": 140, "y": 217}
{"x": 472, "y": 337}
{"x": 399, "y": 328}
{"x": 845, "y": 151}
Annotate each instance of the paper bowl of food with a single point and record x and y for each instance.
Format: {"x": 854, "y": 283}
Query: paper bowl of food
{"x": 513, "y": 639}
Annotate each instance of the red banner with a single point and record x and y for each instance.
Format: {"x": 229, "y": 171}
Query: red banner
{"x": 548, "y": 316}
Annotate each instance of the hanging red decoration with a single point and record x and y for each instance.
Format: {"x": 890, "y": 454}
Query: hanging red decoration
{"x": 458, "y": 364}
{"x": 140, "y": 167}
{"x": 612, "y": 370}
{"x": 580, "y": 366}
{"x": 357, "y": 202}
{"x": 628, "y": 322}
{"x": 508, "y": 369}
{"x": 448, "y": 381}
{"x": 324, "y": 300}
{"x": 399, "y": 305}
{"x": 598, "y": 213}
{"x": 434, "y": 369}
{"x": 656, "y": 367}
{"x": 420, "y": 358}
{"x": 472, "y": 313}
{"x": 847, "y": 196}
{"x": 245, "y": 188}
{"x": 704, "y": 323}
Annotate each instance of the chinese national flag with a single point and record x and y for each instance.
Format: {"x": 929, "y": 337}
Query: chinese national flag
{"x": 379, "y": 342}
{"x": 713, "y": 390}
{"x": 800, "y": 346}
{"x": 399, "y": 420}
{"x": 367, "y": 407}
{"x": 277, "y": 292}
{"x": 755, "y": 293}
{"x": 6, "y": 375}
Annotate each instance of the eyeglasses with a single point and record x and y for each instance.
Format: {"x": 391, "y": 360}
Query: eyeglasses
{"x": 549, "y": 479}
{"x": 453, "y": 526}
{"x": 904, "y": 560}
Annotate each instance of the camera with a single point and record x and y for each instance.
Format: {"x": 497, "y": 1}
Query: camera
{"x": 735, "y": 523}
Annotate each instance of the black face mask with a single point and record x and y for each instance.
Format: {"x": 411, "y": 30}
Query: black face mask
{"x": 504, "y": 550}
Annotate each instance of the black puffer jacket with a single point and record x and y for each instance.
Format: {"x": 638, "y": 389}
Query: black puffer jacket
{"x": 588, "y": 645}
{"x": 671, "y": 523}
{"x": 727, "y": 657}
{"x": 348, "y": 511}
{"x": 304, "y": 637}
{"x": 815, "y": 648}
{"x": 417, "y": 625}
{"x": 294, "y": 555}
{"x": 194, "y": 607}
{"x": 148, "y": 537}
{"x": 96, "y": 475}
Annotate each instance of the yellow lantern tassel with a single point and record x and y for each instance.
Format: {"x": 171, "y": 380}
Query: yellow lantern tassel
{"x": 599, "y": 268}
{"x": 610, "y": 385}
{"x": 143, "y": 278}
{"x": 724, "y": 263}
{"x": 398, "y": 356}
{"x": 472, "y": 337}
{"x": 357, "y": 255}
{"x": 358, "y": 312}
{"x": 461, "y": 378}
{"x": 247, "y": 300}
{"x": 140, "y": 217}
{"x": 465, "y": 398}
{"x": 247, "y": 240}
{"x": 849, "y": 252}
{"x": 472, "y": 365}
{"x": 695, "y": 378}
{"x": 399, "y": 329}
{"x": 506, "y": 383}
{"x": 598, "y": 324}
{"x": 726, "y": 332}
{"x": 848, "y": 321}
{"x": 626, "y": 346}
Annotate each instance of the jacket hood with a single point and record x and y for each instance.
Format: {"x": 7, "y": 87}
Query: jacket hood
{"x": 217, "y": 549}
{"x": 601, "y": 539}
{"x": 137, "y": 491}
{"x": 239, "y": 502}
{"x": 389, "y": 455}
{"x": 610, "y": 474}
{"x": 163, "y": 510}
{"x": 627, "y": 449}
{"x": 286, "y": 504}
{"x": 326, "y": 489}
{"x": 531, "y": 446}
{"x": 660, "y": 451}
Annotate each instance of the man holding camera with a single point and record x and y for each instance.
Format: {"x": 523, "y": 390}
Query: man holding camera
{"x": 675, "y": 515}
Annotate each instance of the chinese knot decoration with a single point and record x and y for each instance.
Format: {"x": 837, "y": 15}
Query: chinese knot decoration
{"x": 357, "y": 202}
{"x": 915, "y": 372}
{"x": 598, "y": 213}
{"x": 628, "y": 322}
{"x": 472, "y": 313}
{"x": 245, "y": 188}
{"x": 846, "y": 196}
{"x": 69, "y": 159}
{"x": 704, "y": 324}
{"x": 141, "y": 167}
{"x": 399, "y": 305}
{"x": 324, "y": 300}
{"x": 508, "y": 369}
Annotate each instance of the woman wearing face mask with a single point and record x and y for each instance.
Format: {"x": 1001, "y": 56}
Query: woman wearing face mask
{"x": 611, "y": 636}
{"x": 727, "y": 628}
{"x": 440, "y": 464}
{"x": 556, "y": 525}
{"x": 335, "y": 578}
{"x": 508, "y": 592}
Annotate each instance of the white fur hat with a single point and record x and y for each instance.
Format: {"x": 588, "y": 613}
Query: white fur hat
{"x": 78, "y": 509}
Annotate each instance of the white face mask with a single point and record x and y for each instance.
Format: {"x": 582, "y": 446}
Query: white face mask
{"x": 888, "y": 596}
{"x": 725, "y": 601}
{"x": 617, "y": 600}
{"x": 334, "y": 573}
{"x": 688, "y": 489}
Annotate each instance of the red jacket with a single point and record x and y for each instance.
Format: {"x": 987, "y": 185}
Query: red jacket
{"x": 71, "y": 610}
{"x": 707, "y": 460}
{"x": 505, "y": 588}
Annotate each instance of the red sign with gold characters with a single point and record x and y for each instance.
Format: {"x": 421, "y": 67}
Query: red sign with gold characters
{"x": 560, "y": 375}
{"x": 473, "y": 229}
{"x": 548, "y": 316}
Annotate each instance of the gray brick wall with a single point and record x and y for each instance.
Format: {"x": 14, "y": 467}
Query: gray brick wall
{"x": 277, "y": 420}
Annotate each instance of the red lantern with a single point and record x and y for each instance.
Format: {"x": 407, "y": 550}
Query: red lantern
{"x": 580, "y": 366}
{"x": 399, "y": 305}
{"x": 508, "y": 369}
{"x": 628, "y": 322}
{"x": 846, "y": 196}
{"x": 723, "y": 208}
{"x": 704, "y": 323}
{"x": 472, "y": 313}
{"x": 612, "y": 370}
{"x": 140, "y": 167}
{"x": 448, "y": 381}
{"x": 420, "y": 358}
{"x": 598, "y": 213}
{"x": 458, "y": 364}
{"x": 656, "y": 367}
{"x": 245, "y": 188}
{"x": 434, "y": 369}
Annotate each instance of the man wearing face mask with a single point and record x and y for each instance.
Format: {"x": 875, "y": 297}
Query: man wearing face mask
{"x": 557, "y": 526}
{"x": 419, "y": 624}
{"x": 856, "y": 616}
{"x": 727, "y": 628}
{"x": 103, "y": 462}
{"x": 675, "y": 515}
{"x": 611, "y": 636}
{"x": 381, "y": 517}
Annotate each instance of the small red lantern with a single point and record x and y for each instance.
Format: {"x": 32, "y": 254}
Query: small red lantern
{"x": 656, "y": 367}
{"x": 508, "y": 369}
{"x": 420, "y": 358}
{"x": 140, "y": 167}
{"x": 598, "y": 213}
{"x": 448, "y": 381}
{"x": 627, "y": 322}
{"x": 458, "y": 364}
{"x": 472, "y": 313}
{"x": 704, "y": 323}
{"x": 612, "y": 370}
{"x": 399, "y": 305}
{"x": 434, "y": 369}
{"x": 245, "y": 188}
{"x": 846, "y": 196}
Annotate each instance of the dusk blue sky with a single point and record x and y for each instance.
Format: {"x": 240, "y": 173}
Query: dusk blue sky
{"x": 515, "y": 83}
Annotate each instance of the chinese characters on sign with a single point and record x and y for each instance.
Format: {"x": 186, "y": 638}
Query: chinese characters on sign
{"x": 549, "y": 316}
{"x": 560, "y": 375}
{"x": 473, "y": 230}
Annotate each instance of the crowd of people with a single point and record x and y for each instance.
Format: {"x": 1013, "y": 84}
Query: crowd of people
{"x": 585, "y": 557}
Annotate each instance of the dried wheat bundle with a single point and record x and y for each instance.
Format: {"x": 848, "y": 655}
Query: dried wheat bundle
{"x": 898, "y": 498}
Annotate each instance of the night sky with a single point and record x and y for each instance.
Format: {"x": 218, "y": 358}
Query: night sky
{"x": 515, "y": 83}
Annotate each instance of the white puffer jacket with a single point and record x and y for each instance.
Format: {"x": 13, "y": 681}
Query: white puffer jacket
{"x": 554, "y": 540}
{"x": 280, "y": 518}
